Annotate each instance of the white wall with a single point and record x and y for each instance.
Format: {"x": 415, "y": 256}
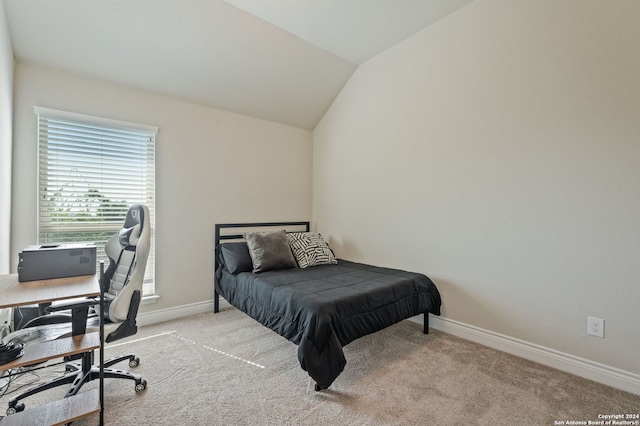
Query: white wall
{"x": 6, "y": 119}
{"x": 211, "y": 167}
{"x": 498, "y": 152}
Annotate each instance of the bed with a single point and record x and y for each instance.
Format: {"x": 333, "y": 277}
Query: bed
{"x": 318, "y": 302}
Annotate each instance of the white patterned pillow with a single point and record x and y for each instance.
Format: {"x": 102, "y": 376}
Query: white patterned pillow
{"x": 310, "y": 249}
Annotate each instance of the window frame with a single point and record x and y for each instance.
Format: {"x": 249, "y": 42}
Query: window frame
{"x": 109, "y": 126}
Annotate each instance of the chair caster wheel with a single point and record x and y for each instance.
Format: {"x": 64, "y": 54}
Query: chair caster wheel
{"x": 15, "y": 409}
{"x": 141, "y": 386}
{"x": 133, "y": 363}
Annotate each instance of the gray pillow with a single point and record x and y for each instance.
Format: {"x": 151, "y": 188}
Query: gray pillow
{"x": 236, "y": 257}
{"x": 269, "y": 251}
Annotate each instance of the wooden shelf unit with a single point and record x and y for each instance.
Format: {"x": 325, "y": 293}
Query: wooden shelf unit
{"x": 58, "y": 412}
{"x": 36, "y": 353}
{"x": 68, "y": 409}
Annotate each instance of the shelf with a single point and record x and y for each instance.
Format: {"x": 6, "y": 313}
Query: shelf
{"x": 59, "y": 412}
{"x": 66, "y": 410}
{"x": 35, "y": 353}
{"x": 20, "y": 293}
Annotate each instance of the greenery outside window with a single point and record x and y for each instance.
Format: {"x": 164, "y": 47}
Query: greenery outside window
{"x": 90, "y": 170}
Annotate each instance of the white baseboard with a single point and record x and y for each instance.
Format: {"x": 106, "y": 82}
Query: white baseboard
{"x": 591, "y": 370}
{"x": 169, "y": 314}
{"x": 601, "y": 373}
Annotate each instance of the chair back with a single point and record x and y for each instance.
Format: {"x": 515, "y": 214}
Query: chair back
{"x": 127, "y": 251}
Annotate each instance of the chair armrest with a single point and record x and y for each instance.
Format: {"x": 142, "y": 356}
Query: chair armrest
{"x": 72, "y": 305}
{"x": 79, "y": 313}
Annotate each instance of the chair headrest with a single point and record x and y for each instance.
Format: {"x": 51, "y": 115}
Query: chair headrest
{"x": 130, "y": 232}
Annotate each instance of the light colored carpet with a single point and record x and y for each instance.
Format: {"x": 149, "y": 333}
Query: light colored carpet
{"x": 226, "y": 369}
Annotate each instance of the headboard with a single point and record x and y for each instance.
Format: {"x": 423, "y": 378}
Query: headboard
{"x": 240, "y": 229}
{"x": 235, "y": 231}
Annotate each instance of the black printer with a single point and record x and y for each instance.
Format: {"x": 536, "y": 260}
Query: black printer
{"x": 56, "y": 261}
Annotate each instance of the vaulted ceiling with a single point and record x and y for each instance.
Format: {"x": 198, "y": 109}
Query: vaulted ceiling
{"x": 279, "y": 60}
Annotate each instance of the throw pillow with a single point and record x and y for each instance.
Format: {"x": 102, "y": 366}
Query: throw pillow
{"x": 269, "y": 251}
{"x": 310, "y": 249}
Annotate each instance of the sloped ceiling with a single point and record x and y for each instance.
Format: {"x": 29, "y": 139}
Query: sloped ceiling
{"x": 279, "y": 60}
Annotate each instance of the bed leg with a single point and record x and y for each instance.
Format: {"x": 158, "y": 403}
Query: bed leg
{"x": 425, "y": 327}
{"x": 313, "y": 385}
{"x": 216, "y": 302}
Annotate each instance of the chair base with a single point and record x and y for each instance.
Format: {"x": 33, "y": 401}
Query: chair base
{"x": 79, "y": 373}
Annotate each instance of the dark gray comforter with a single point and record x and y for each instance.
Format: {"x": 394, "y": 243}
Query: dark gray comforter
{"x": 323, "y": 308}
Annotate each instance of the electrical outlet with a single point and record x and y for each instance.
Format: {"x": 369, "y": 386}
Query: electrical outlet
{"x": 595, "y": 326}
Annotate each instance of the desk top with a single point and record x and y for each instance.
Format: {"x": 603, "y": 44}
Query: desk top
{"x": 16, "y": 293}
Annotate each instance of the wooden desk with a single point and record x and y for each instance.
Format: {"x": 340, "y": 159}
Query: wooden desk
{"x": 14, "y": 293}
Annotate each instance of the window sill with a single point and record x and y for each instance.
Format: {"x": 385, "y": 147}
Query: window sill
{"x": 148, "y": 300}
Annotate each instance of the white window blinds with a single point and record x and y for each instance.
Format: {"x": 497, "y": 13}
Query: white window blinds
{"x": 90, "y": 171}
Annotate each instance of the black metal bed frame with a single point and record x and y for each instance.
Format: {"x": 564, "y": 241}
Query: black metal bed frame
{"x": 220, "y": 237}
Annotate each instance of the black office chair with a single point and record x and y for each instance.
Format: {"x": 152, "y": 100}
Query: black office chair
{"x": 127, "y": 251}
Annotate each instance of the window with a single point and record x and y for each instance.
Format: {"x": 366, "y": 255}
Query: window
{"x": 90, "y": 170}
